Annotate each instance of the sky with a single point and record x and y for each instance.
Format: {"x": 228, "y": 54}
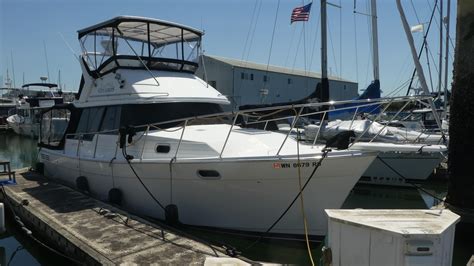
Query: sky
{"x": 35, "y": 35}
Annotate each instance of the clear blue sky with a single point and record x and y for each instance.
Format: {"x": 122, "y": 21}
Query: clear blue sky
{"x": 26, "y": 24}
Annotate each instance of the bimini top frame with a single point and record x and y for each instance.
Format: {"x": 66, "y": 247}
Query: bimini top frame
{"x": 49, "y": 85}
{"x": 120, "y": 41}
{"x": 132, "y": 27}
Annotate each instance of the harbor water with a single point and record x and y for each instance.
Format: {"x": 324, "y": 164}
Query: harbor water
{"x": 18, "y": 249}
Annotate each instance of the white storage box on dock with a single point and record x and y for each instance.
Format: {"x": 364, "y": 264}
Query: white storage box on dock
{"x": 391, "y": 237}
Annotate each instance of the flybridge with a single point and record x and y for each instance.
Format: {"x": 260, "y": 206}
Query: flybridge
{"x": 138, "y": 42}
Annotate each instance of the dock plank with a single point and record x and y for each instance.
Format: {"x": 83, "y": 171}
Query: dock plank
{"x": 95, "y": 232}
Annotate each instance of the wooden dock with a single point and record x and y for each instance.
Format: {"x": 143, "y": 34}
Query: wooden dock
{"x": 93, "y": 232}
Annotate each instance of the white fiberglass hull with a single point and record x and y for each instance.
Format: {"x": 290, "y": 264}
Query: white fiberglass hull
{"x": 249, "y": 194}
{"x": 29, "y": 130}
{"x": 397, "y": 163}
{"x": 388, "y": 166}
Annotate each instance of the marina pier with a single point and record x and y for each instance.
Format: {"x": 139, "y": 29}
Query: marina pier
{"x": 95, "y": 233}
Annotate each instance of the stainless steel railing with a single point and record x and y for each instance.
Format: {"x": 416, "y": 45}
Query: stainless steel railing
{"x": 265, "y": 119}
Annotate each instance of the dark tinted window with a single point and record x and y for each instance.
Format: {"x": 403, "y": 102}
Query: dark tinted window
{"x": 111, "y": 119}
{"x": 90, "y": 121}
{"x": 143, "y": 114}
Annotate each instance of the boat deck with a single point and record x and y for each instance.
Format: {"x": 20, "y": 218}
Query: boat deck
{"x": 93, "y": 232}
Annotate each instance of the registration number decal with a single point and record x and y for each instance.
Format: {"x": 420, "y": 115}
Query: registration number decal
{"x": 293, "y": 165}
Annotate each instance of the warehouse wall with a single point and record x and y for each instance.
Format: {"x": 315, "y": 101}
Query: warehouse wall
{"x": 250, "y": 86}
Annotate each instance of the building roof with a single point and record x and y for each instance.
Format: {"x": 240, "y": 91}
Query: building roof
{"x": 276, "y": 69}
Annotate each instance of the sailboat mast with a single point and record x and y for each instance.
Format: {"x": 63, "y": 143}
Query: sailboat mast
{"x": 446, "y": 57}
{"x": 419, "y": 69}
{"x": 375, "y": 45}
{"x": 440, "y": 72}
{"x": 324, "y": 55}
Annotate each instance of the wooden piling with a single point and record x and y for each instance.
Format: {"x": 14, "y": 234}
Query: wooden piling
{"x": 460, "y": 196}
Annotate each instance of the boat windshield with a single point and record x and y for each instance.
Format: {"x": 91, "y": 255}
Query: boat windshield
{"x": 134, "y": 42}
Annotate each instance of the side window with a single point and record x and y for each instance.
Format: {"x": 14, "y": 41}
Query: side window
{"x": 90, "y": 121}
{"x": 111, "y": 118}
{"x": 53, "y": 127}
{"x": 82, "y": 126}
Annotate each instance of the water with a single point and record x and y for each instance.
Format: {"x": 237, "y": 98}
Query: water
{"x": 15, "y": 247}
{"x": 22, "y": 152}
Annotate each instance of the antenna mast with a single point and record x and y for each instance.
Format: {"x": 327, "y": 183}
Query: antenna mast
{"x": 46, "y": 57}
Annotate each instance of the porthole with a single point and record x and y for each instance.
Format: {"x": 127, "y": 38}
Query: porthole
{"x": 209, "y": 174}
{"x": 160, "y": 148}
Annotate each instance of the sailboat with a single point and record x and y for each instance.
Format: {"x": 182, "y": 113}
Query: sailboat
{"x": 398, "y": 161}
{"x": 148, "y": 134}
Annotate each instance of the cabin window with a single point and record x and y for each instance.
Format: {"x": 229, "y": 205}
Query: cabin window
{"x": 163, "y": 148}
{"x": 90, "y": 122}
{"x": 290, "y": 81}
{"x": 265, "y": 78}
{"x": 209, "y": 174}
{"x": 251, "y": 76}
{"x": 144, "y": 114}
{"x": 111, "y": 119}
{"x": 53, "y": 126}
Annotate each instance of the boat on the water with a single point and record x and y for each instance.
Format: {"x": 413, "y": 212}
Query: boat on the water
{"x": 405, "y": 155}
{"x": 148, "y": 134}
{"x": 7, "y": 102}
{"x": 33, "y": 98}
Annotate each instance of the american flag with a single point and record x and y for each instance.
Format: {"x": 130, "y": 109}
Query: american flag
{"x": 301, "y": 13}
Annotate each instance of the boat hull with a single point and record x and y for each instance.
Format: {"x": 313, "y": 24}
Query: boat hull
{"x": 392, "y": 168}
{"x": 249, "y": 194}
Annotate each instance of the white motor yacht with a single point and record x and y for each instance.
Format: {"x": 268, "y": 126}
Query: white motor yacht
{"x": 146, "y": 128}
{"x": 25, "y": 119}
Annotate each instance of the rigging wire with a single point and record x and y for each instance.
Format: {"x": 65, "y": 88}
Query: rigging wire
{"x": 332, "y": 48}
{"x": 355, "y": 43}
{"x": 437, "y": 24}
{"x": 252, "y": 36}
{"x": 422, "y": 46}
{"x": 426, "y": 46}
{"x": 315, "y": 39}
{"x": 429, "y": 66}
{"x": 271, "y": 47}
{"x": 293, "y": 31}
{"x": 250, "y": 29}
